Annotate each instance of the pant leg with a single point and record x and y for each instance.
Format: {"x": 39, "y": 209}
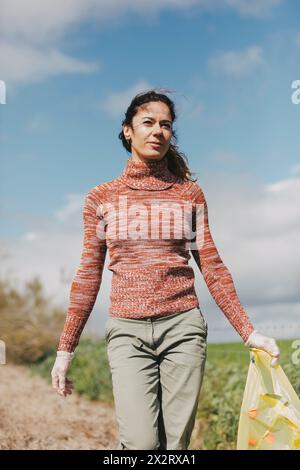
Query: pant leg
{"x": 181, "y": 346}
{"x": 135, "y": 379}
{"x": 157, "y": 367}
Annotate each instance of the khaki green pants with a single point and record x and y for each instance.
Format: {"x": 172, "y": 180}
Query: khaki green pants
{"x": 157, "y": 367}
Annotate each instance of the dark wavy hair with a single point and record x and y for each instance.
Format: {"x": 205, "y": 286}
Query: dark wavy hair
{"x": 177, "y": 161}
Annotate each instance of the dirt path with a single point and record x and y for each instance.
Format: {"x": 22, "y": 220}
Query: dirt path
{"x": 33, "y": 416}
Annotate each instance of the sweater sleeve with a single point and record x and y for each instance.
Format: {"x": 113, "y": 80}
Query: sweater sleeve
{"x": 216, "y": 275}
{"x": 87, "y": 280}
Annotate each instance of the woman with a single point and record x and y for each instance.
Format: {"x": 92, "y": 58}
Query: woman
{"x": 149, "y": 218}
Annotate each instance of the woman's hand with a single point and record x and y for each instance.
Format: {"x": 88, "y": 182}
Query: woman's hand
{"x": 258, "y": 341}
{"x": 60, "y": 382}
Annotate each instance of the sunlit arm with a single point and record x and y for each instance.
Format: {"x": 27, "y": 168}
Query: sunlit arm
{"x": 87, "y": 280}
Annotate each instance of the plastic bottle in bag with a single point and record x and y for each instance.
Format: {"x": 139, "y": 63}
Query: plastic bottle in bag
{"x": 270, "y": 412}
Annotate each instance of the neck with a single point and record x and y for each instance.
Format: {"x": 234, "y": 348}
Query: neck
{"x": 150, "y": 174}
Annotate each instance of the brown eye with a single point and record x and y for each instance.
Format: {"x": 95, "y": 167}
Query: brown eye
{"x": 166, "y": 125}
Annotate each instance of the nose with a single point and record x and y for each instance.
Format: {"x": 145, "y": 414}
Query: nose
{"x": 157, "y": 129}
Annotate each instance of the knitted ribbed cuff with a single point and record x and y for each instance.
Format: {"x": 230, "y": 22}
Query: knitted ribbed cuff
{"x": 65, "y": 354}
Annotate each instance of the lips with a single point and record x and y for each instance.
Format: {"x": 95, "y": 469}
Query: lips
{"x": 155, "y": 143}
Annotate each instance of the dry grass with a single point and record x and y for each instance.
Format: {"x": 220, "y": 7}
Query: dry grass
{"x": 30, "y": 323}
{"x": 33, "y": 416}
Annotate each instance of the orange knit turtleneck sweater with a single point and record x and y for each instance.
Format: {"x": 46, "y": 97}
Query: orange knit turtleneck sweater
{"x": 150, "y": 221}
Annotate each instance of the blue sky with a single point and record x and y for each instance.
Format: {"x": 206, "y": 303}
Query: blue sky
{"x": 70, "y": 73}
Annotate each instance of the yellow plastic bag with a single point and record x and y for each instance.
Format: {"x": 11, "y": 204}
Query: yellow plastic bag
{"x": 270, "y": 413}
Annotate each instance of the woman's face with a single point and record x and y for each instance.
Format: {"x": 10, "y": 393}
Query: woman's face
{"x": 151, "y": 124}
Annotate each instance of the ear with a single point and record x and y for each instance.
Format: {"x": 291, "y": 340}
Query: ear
{"x": 126, "y": 131}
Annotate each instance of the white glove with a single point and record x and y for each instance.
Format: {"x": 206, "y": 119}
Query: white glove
{"x": 258, "y": 341}
{"x": 60, "y": 382}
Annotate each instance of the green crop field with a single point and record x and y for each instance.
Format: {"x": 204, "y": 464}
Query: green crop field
{"x": 221, "y": 394}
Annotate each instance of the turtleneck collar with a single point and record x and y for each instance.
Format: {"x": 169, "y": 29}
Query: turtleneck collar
{"x": 151, "y": 175}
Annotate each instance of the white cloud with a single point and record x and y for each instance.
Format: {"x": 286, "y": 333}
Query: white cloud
{"x": 73, "y": 206}
{"x": 256, "y": 8}
{"x": 34, "y": 32}
{"x": 190, "y": 109}
{"x": 25, "y": 64}
{"x": 46, "y": 22}
{"x": 295, "y": 170}
{"x": 31, "y": 236}
{"x": 36, "y": 22}
{"x": 237, "y": 64}
{"x": 256, "y": 230}
{"x": 116, "y": 103}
